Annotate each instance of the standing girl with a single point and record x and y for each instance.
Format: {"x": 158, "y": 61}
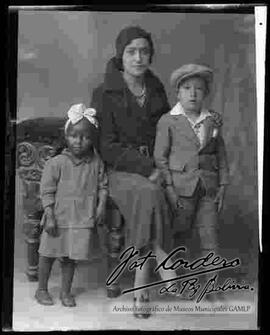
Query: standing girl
{"x": 73, "y": 193}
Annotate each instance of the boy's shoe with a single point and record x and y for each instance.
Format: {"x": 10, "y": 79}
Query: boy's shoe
{"x": 43, "y": 297}
{"x": 67, "y": 299}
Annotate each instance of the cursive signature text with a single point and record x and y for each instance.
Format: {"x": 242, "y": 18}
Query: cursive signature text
{"x": 192, "y": 287}
{"x": 131, "y": 260}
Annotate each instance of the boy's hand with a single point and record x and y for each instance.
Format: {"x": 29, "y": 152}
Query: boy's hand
{"x": 220, "y": 197}
{"x": 174, "y": 200}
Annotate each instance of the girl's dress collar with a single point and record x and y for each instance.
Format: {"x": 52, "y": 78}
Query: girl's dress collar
{"x": 78, "y": 161}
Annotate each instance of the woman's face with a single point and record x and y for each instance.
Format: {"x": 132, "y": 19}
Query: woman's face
{"x": 136, "y": 57}
{"x": 191, "y": 94}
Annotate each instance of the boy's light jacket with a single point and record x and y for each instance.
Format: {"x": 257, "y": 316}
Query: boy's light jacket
{"x": 183, "y": 161}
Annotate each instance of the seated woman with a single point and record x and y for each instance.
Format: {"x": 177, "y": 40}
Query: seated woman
{"x": 129, "y": 104}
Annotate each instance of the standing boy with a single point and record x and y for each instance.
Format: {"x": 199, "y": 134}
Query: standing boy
{"x": 190, "y": 152}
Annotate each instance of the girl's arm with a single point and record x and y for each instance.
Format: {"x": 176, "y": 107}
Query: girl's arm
{"x": 48, "y": 187}
{"x": 102, "y": 193}
{"x": 48, "y": 183}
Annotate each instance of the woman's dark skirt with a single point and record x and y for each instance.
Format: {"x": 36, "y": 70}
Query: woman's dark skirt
{"x": 144, "y": 208}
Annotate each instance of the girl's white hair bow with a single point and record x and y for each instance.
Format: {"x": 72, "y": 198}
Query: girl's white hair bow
{"x": 78, "y": 112}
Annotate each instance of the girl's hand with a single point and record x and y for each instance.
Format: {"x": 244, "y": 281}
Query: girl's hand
{"x": 50, "y": 225}
{"x": 220, "y": 197}
{"x": 100, "y": 215}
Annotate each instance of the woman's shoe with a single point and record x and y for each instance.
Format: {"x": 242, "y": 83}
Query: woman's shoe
{"x": 141, "y": 308}
{"x": 168, "y": 274}
{"x": 164, "y": 274}
{"x": 67, "y": 299}
{"x": 43, "y": 297}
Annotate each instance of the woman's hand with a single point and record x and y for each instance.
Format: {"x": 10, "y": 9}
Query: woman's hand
{"x": 50, "y": 222}
{"x": 173, "y": 198}
{"x": 155, "y": 175}
{"x": 220, "y": 197}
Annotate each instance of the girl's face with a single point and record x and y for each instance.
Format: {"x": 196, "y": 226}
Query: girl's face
{"x": 191, "y": 94}
{"x": 78, "y": 138}
{"x": 136, "y": 57}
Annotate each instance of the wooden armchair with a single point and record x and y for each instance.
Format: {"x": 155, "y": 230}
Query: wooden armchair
{"x": 38, "y": 140}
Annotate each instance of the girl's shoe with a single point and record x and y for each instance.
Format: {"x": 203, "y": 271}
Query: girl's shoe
{"x": 67, "y": 299}
{"x": 43, "y": 297}
{"x": 141, "y": 308}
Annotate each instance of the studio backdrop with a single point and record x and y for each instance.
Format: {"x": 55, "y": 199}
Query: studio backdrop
{"x": 62, "y": 58}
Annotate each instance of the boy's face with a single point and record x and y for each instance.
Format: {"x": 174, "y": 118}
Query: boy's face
{"x": 78, "y": 138}
{"x": 191, "y": 94}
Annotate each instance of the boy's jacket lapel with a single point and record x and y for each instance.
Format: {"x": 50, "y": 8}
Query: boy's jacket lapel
{"x": 183, "y": 125}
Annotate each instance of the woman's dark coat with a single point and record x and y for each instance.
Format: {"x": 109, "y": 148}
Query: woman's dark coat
{"x": 124, "y": 125}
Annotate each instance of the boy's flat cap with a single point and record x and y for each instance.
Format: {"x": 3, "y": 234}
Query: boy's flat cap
{"x": 190, "y": 70}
